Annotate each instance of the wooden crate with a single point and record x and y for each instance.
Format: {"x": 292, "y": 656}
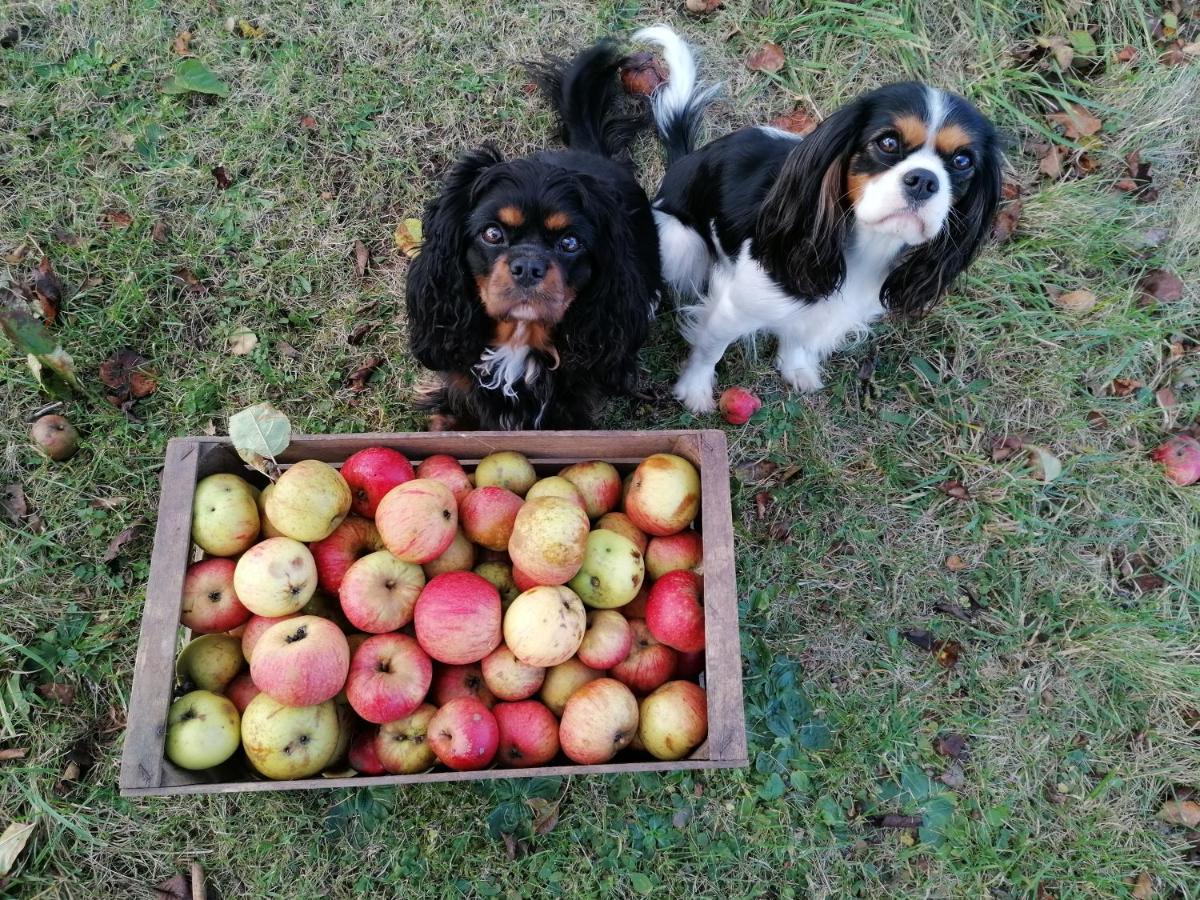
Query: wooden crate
{"x": 146, "y": 771}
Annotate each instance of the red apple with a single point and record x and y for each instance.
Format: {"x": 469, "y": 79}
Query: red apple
{"x": 623, "y": 525}
{"x": 737, "y": 405}
{"x": 464, "y": 734}
{"x": 417, "y": 520}
{"x": 209, "y": 601}
{"x": 241, "y": 691}
{"x": 450, "y": 682}
{"x": 403, "y": 745}
{"x": 599, "y": 484}
{"x": 379, "y": 592}
{"x": 549, "y": 540}
{"x": 457, "y": 618}
{"x": 371, "y": 473}
{"x": 599, "y": 721}
{"x": 508, "y": 678}
{"x": 364, "y": 755}
{"x": 607, "y": 640}
{"x": 1180, "y": 457}
{"x": 350, "y": 541}
{"x": 389, "y": 677}
{"x": 487, "y": 515}
{"x": 256, "y": 627}
{"x": 528, "y": 734}
{"x": 648, "y": 664}
{"x": 673, "y": 611}
{"x": 301, "y": 662}
{"x": 690, "y": 664}
{"x": 564, "y": 680}
{"x": 664, "y": 495}
{"x": 458, "y": 557}
{"x": 446, "y": 469}
{"x": 673, "y": 721}
{"x": 682, "y": 550}
{"x": 522, "y": 581}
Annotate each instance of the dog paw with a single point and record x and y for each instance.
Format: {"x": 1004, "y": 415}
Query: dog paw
{"x": 696, "y": 394}
{"x": 805, "y": 379}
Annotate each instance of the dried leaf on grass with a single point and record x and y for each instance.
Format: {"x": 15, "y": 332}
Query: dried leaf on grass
{"x": 9, "y": 753}
{"x": 798, "y": 121}
{"x": 358, "y": 379}
{"x": 702, "y": 7}
{"x": 951, "y": 746}
{"x": 361, "y": 258}
{"x": 642, "y": 73}
{"x": 117, "y": 544}
{"x": 174, "y": 888}
{"x": 768, "y": 58}
{"x": 1160, "y": 284}
{"x": 160, "y": 231}
{"x": 955, "y": 563}
{"x": 1007, "y": 446}
{"x": 1181, "y": 812}
{"x": 360, "y": 333}
{"x": 125, "y": 375}
{"x": 242, "y": 342}
{"x": 221, "y": 176}
{"x": 115, "y": 218}
{"x": 955, "y": 489}
{"x": 12, "y": 842}
{"x": 1138, "y": 182}
{"x": 1075, "y": 121}
{"x": 1045, "y": 465}
{"x": 181, "y": 46}
{"x": 1143, "y": 887}
{"x": 408, "y": 237}
{"x": 545, "y": 814}
{"x": 48, "y": 289}
{"x": 51, "y": 365}
{"x": 1079, "y": 301}
{"x": 62, "y": 694}
{"x": 1006, "y": 221}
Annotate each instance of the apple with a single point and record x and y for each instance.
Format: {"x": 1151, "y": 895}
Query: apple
{"x": 55, "y": 437}
{"x": 224, "y": 515}
{"x": 507, "y": 469}
{"x": 598, "y": 482}
{"x": 403, "y": 746}
{"x": 1180, "y": 457}
{"x": 256, "y": 627}
{"x": 241, "y": 691}
{"x": 450, "y": 682}
{"x": 418, "y": 520}
{"x": 389, "y": 677}
{"x": 464, "y": 734}
{"x": 210, "y": 662}
{"x": 309, "y": 501}
{"x": 364, "y": 753}
{"x": 664, "y": 496}
{"x": 690, "y": 664}
{"x": 528, "y": 734}
{"x": 447, "y": 470}
{"x": 522, "y": 582}
{"x": 371, "y": 473}
{"x": 508, "y": 678}
{"x": 673, "y": 720}
{"x": 556, "y": 486}
{"x": 209, "y": 601}
{"x": 458, "y": 557}
{"x": 347, "y": 721}
{"x": 673, "y": 611}
{"x": 379, "y": 592}
{"x": 648, "y": 664}
{"x": 636, "y": 608}
{"x": 549, "y": 538}
{"x": 737, "y": 405}
{"x": 284, "y": 742}
{"x": 487, "y": 515}
{"x": 612, "y": 571}
{"x": 564, "y": 680}
{"x": 301, "y": 662}
{"x": 500, "y": 575}
{"x": 203, "y": 730}
{"x": 457, "y": 618}
{"x": 607, "y": 640}
{"x": 682, "y": 550}
{"x": 353, "y": 539}
{"x": 544, "y": 626}
{"x": 267, "y": 530}
{"x": 623, "y": 525}
{"x": 598, "y": 722}
{"x": 275, "y": 577}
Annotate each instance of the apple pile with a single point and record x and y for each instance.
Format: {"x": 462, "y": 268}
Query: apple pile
{"x": 388, "y": 619}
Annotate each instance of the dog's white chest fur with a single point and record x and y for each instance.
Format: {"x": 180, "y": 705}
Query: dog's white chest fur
{"x": 506, "y": 365}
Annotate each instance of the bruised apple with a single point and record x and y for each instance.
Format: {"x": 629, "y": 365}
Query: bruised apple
{"x": 379, "y": 592}
{"x": 607, "y": 640}
{"x": 673, "y": 720}
{"x": 353, "y": 539}
{"x": 683, "y": 550}
{"x": 210, "y": 603}
{"x": 309, "y": 500}
{"x": 528, "y": 734}
{"x": 224, "y": 515}
{"x": 285, "y": 742}
{"x": 458, "y": 618}
{"x": 417, "y": 520}
{"x": 664, "y": 495}
{"x": 487, "y": 515}
{"x": 371, "y": 473}
{"x": 403, "y": 745}
{"x": 508, "y": 678}
{"x": 623, "y": 525}
{"x": 564, "y": 680}
{"x": 275, "y": 577}
{"x": 612, "y": 571}
{"x": 506, "y": 469}
{"x": 464, "y": 734}
{"x": 598, "y": 483}
{"x": 544, "y": 626}
{"x": 447, "y": 470}
{"x": 549, "y": 538}
{"x": 598, "y": 722}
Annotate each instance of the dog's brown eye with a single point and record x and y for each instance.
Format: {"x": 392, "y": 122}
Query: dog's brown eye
{"x": 888, "y": 143}
{"x": 492, "y": 235}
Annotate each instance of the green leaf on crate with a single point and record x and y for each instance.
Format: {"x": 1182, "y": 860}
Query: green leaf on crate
{"x": 773, "y": 788}
{"x": 51, "y": 365}
{"x": 259, "y": 433}
{"x": 192, "y": 76}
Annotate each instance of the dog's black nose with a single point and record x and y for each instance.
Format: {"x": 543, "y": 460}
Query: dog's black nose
{"x": 920, "y": 185}
{"x": 527, "y": 270}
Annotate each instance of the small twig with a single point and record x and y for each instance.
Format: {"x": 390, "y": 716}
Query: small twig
{"x": 198, "y": 891}
{"x": 48, "y": 408}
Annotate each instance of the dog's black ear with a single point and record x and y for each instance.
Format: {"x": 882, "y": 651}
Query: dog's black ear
{"x": 929, "y": 269}
{"x": 447, "y": 324}
{"x": 806, "y": 217}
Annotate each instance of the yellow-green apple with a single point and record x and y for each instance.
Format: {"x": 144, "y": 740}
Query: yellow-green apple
{"x": 209, "y": 601}
{"x": 612, "y": 571}
{"x": 275, "y": 577}
{"x": 544, "y": 626}
{"x": 664, "y": 496}
{"x": 648, "y": 664}
{"x": 690, "y": 664}
{"x": 350, "y": 541}
{"x": 487, "y": 515}
{"x": 302, "y": 661}
{"x": 224, "y": 515}
{"x": 55, "y": 437}
{"x": 458, "y": 557}
{"x": 364, "y": 754}
{"x": 636, "y": 608}
{"x": 500, "y": 574}
{"x": 403, "y": 745}
{"x": 599, "y": 721}
{"x": 210, "y": 662}
{"x": 417, "y": 520}
{"x": 623, "y": 525}
{"x": 256, "y": 627}
{"x": 371, "y": 473}
{"x": 309, "y": 500}
{"x": 508, "y": 678}
{"x": 450, "y": 682}
{"x": 506, "y": 469}
{"x": 528, "y": 734}
{"x": 464, "y": 735}
{"x": 457, "y": 618}
{"x": 379, "y": 592}
{"x": 682, "y": 550}
{"x": 266, "y": 529}
{"x": 673, "y": 720}
{"x": 564, "y": 680}
{"x": 241, "y": 691}
{"x": 607, "y": 640}
{"x": 556, "y": 486}
{"x": 203, "y": 730}
{"x": 522, "y": 581}
{"x": 673, "y": 611}
{"x": 447, "y": 470}
{"x": 289, "y": 741}
{"x": 389, "y": 677}
{"x": 599, "y": 484}
{"x": 548, "y": 540}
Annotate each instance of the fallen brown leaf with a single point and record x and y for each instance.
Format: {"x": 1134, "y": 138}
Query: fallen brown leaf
{"x": 181, "y": 42}
{"x": 174, "y": 888}
{"x": 1006, "y": 221}
{"x": 1075, "y": 122}
{"x": 1181, "y": 812}
{"x": 780, "y": 531}
{"x": 308, "y": 122}
{"x": 1081, "y": 300}
{"x": 1050, "y": 159}
{"x": 1139, "y": 182}
{"x": 1123, "y": 387}
{"x": 160, "y": 231}
{"x": 117, "y": 544}
{"x": 642, "y": 73}
{"x": 125, "y": 375}
{"x": 951, "y": 746}
{"x": 1135, "y": 571}
{"x": 108, "y": 502}
{"x": 357, "y": 379}
{"x": 8, "y": 753}
{"x": 1007, "y": 446}
{"x": 1096, "y": 420}
{"x": 408, "y": 237}
{"x": 955, "y": 489}
{"x": 954, "y": 777}
{"x": 48, "y": 289}
{"x": 62, "y": 694}
{"x": 702, "y": 7}
{"x": 12, "y": 501}
{"x": 361, "y": 258}
{"x": 221, "y": 174}
{"x": 947, "y": 654}
{"x": 67, "y": 238}
{"x": 1143, "y": 887}
{"x": 115, "y": 218}
{"x": 762, "y": 504}
{"x": 545, "y": 814}
{"x": 360, "y": 333}
{"x": 768, "y": 58}
{"x": 1159, "y": 284}
{"x": 17, "y": 254}
{"x": 894, "y": 820}
{"x": 920, "y": 638}
{"x": 286, "y": 349}
{"x": 798, "y": 121}
{"x": 1126, "y": 54}
{"x": 191, "y": 282}
{"x": 760, "y": 470}
{"x": 955, "y": 563}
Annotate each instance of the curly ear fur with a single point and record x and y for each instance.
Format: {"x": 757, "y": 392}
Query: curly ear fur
{"x": 805, "y": 219}
{"x": 928, "y": 270}
{"x": 447, "y": 325}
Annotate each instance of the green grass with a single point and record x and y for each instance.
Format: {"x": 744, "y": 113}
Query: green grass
{"x": 1077, "y": 695}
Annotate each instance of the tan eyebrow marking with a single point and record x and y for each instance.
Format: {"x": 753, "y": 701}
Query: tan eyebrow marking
{"x": 511, "y": 216}
{"x": 912, "y": 130}
{"x": 950, "y": 138}
{"x": 557, "y": 221}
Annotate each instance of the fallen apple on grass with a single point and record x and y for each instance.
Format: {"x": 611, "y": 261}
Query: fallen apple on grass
{"x": 275, "y": 577}
{"x": 528, "y": 734}
{"x": 371, "y": 473}
{"x": 598, "y": 722}
{"x": 458, "y": 618}
{"x": 1180, "y": 458}
{"x": 403, "y": 745}
{"x": 389, "y": 677}
{"x": 224, "y": 515}
{"x": 309, "y": 500}
{"x": 379, "y": 592}
{"x": 301, "y": 662}
{"x": 203, "y": 730}
{"x": 463, "y": 735}
{"x": 55, "y": 437}
{"x": 417, "y": 520}
{"x": 284, "y": 742}
{"x": 673, "y": 720}
{"x": 210, "y": 603}
{"x": 737, "y": 405}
